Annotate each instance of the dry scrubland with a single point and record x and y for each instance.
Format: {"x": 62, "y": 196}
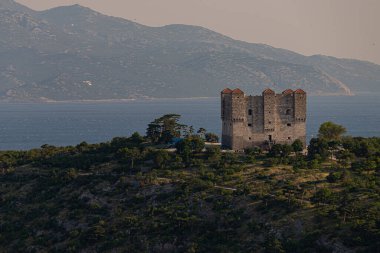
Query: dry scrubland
{"x": 129, "y": 195}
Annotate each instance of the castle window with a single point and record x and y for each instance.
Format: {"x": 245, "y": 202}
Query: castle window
{"x": 289, "y": 124}
{"x": 250, "y": 112}
{"x": 269, "y": 122}
{"x": 289, "y": 138}
{"x": 249, "y": 125}
{"x": 288, "y": 111}
{"x": 250, "y": 138}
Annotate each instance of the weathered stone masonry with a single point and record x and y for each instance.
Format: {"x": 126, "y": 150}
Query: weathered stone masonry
{"x": 262, "y": 121}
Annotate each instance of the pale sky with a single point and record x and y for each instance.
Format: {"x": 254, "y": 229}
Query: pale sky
{"x": 341, "y": 28}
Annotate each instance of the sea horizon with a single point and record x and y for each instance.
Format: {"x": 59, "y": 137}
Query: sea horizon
{"x": 30, "y": 125}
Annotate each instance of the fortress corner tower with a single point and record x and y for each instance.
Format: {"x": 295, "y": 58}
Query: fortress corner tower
{"x": 261, "y": 121}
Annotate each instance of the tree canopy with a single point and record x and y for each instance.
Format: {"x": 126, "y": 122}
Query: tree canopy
{"x": 331, "y": 131}
{"x": 164, "y": 129}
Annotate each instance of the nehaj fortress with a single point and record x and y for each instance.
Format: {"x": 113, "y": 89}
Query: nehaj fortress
{"x": 262, "y": 121}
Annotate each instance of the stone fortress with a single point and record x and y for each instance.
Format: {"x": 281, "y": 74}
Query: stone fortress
{"x": 261, "y": 121}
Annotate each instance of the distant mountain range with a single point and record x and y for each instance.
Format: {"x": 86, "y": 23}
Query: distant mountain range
{"x": 75, "y": 53}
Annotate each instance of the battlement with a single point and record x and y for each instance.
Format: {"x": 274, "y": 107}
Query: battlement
{"x": 262, "y": 120}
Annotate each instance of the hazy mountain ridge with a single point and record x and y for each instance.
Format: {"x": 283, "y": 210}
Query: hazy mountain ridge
{"x": 12, "y": 5}
{"x": 73, "y": 52}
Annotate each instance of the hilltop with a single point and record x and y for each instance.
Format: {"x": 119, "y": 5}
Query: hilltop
{"x": 134, "y": 195}
{"x": 75, "y": 53}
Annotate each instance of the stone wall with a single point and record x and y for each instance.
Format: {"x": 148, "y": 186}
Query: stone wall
{"x": 226, "y": 105}
{"x": 262, "y": 120}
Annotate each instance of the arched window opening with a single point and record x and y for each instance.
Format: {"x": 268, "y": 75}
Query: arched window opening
{"x": 250, "y": 112}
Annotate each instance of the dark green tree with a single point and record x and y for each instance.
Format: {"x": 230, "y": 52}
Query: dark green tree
{"x": 136, "y": 138}
{"x": 211, "y": 137}
{"x": 161, "y": 158}
{"x": 184, "y": 149}
{"x": 297, "y": 146}
{"x": 188, "y": 131}
{"x": 164, "y": 129}
{"x": 188, "y": 146}
{"x": 318, "y": 148}
{"x": 214, "y": 153}
{"x": 129, "y": 155}
{"x": 330, "y": 131}
{"x": 7, "y": 161}
{"x": 280, "y": 150}
{"x": 193, "y": 144}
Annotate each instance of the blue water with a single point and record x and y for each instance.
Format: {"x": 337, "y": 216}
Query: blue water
{"x": 25, "y": 126}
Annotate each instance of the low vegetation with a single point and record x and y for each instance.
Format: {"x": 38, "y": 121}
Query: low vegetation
{"x": 137, "y": 194}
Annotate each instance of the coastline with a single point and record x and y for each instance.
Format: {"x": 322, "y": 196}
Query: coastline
{"x": 84, "y": 101}
{"x": 128, "y": 100}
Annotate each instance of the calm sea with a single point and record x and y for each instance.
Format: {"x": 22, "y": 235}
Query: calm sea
{"x": 25, "y": 126}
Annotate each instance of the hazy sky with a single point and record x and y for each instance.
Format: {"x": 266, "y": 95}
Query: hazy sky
{"x": 342, "y": 28}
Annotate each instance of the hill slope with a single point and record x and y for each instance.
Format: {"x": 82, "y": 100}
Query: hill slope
{"x": 96, "y": 198}
{"x": 73, "y": 52}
